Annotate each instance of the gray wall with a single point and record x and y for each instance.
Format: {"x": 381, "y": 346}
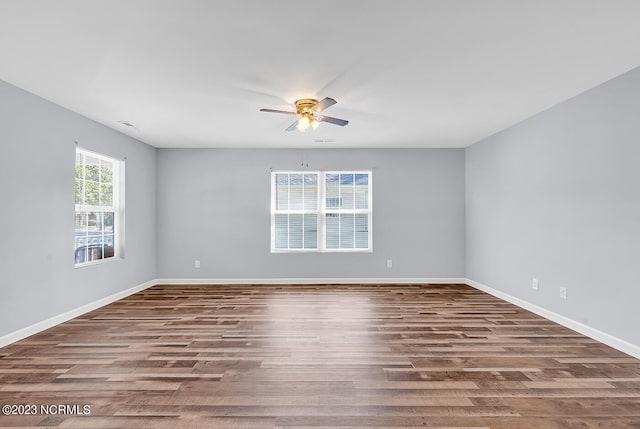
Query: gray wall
{"x": 557, "y": 197}
{"x": 37, "y": 156}
{"x": 213, "y": 205}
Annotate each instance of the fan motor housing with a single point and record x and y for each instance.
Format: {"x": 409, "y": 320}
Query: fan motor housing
{"x": 304, "y": 105}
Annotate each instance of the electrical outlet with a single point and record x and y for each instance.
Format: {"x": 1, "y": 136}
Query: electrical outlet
{"x": 563, "y": 292}
{"x": 534, "y": 284}
{"x": 389, "y": 263}
{"x": 196, "y": 263}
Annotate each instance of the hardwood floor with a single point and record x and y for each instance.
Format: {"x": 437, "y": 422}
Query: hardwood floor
{"x": 359, "y": 356}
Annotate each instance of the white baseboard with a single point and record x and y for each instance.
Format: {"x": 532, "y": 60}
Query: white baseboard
{"x": 603, "y": 337}
{"x": 56, "y": 320}
{"x": 311, "y": 280}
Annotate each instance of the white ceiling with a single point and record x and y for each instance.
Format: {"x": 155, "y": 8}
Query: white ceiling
{"x": 423, "y": 73}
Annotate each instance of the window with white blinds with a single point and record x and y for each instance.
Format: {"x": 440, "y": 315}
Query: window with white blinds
{"x": 321, "y": 211}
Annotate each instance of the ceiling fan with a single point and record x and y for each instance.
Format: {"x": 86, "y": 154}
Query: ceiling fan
{"x": 308, "y": 109}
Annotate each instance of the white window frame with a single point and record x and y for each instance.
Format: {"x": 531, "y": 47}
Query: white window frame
{"x": 322, "y": 212}
{"x": 117, "y": 206}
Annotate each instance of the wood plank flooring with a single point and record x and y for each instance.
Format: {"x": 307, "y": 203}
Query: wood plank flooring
{"x": 291, "y": 356}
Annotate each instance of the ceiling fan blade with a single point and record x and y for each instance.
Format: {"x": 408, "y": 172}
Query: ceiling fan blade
{"x": 331, "y": 120}
{"x": 293, "y": 126}
{"x": 278, "y": 111}
{"x": 323, "y": 104}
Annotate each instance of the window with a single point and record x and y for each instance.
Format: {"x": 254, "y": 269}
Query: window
{"x": 321, "y": 211}
{"x": 97, "y": 217}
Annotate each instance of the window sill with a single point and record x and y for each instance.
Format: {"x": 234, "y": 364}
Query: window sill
{"x": 98, "y": 262}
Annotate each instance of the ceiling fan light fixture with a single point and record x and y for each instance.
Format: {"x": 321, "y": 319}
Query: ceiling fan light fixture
{"x": 303, "y": 124}
{"x": 308, "y": 109}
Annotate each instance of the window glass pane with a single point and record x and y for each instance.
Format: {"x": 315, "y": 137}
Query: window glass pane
{"x": 332, "y": 231}
{"x": 106, "y": 195}
{"x": 79, "y": 193}
{"x": 362, "y": 179}
{"x": 332, "y": 191}
{"x": 81, "y": 224}
{"x": 281, "y": 224}
{"x": 346, "y": 191}
{"x": 311, "y": 191}
{"x": 295, "y": 231}
{"x": 81, "y": 221}
{"x": 79, "y": 165}
{"x": 94, "y": 227}
{"x": 361, "y": 197}
{"x": 108, "y": 248}
{"x": 310, "y": 231}
{"x": 295, "y": 192}
{"x": 81, "y": 253}
{"x": 346, "y": 179}
{"x": 361, "y": 191}
{"x": 108, "y": 222}
{"x": 282, "y": 179}
{"x": 282, "y": 191}
{"x": 92, "y": 170}
{"x": 92, "y": 193}
{"x": 346, "y": 231}
{"x": 108, "y": 240}
{"x": 80, "y": 241}
{"x": 362, "y": 231}
{"x": 91, "y": 253}
{"x": 106, "y": 172}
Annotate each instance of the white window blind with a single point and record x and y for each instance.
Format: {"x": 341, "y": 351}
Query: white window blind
{"x": 296, "y": 211}
{"x": 97, "y": 208}
{"x": 321, "y": 211}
